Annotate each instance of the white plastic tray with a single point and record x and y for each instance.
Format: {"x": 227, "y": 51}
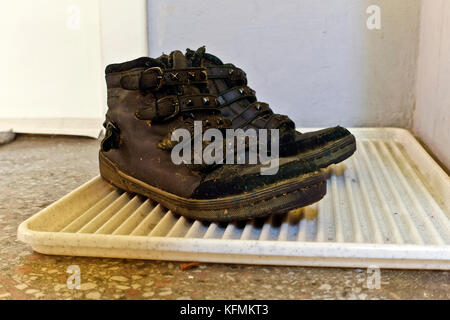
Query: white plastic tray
{"x": 387, "y": 206}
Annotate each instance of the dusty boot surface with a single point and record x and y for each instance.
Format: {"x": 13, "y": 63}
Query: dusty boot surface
{"x": 148, "y": 99}
{"x": 238, "y": 103}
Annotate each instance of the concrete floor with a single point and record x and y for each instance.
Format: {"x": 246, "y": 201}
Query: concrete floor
{"x": 36, "y": 171}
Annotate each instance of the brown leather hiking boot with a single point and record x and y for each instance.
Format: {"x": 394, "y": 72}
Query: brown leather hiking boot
{"x": 148, "y": 99}
{"x": 239, "y": 103}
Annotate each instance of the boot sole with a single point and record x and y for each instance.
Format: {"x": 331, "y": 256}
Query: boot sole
{"x": 332, "y": 153}
{"x": 279, "y": 198}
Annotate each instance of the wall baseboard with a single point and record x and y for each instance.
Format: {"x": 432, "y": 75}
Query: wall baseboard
{"x": 88, "y": 127}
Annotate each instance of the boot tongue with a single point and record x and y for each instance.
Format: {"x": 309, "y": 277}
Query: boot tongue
{"x": 179, "y": 61}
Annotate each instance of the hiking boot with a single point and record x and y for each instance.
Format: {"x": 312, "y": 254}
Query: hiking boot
{"x": 239, "y": 103}
{"x": 148, "y": 99}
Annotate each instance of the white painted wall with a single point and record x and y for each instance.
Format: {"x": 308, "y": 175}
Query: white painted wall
{"x": 123, "y": 33}
{"x": 313, "y": 60}
{"x": 432, "y": 113}
{"x": 52, "y": 56}
{"x": 123, "y": 29}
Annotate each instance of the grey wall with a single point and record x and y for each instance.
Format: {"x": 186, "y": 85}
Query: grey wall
{"x": 313, "y": 60}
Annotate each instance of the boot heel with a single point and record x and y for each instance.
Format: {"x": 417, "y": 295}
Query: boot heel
{"x": 110, "y": 174}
